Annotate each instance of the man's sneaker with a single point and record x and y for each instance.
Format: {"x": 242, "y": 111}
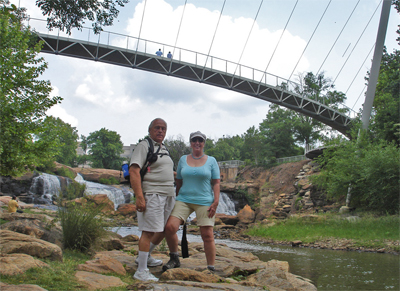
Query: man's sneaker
{"x": 172, "y": 263}
{"x": 151, "y": 262}
{"x": 145, "y": 275}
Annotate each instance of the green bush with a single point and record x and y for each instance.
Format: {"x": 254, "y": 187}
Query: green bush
{"x": 371, "y": 169}
{"x": 109, "y": 181}
{"x": 81, "y": 225}
{"x": 65, "y": 172}
{"x": 74, "y": 190}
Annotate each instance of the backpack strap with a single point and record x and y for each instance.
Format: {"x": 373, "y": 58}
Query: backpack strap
{"x": 150, "y": 158}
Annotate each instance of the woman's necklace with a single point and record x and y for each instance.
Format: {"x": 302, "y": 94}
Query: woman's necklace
{"x": 198, "y": 157}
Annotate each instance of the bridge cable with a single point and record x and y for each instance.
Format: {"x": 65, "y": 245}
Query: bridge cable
{"x": 310, "y": 39}
{"x": 338, "y": 36}
{"x": 179, "y": 29}
{"x": 356, "y": 43}
{"x": 365, "y": 86}
{"x": 141, "y": 23}
{"x": 244, "y": 47}
{"x": 280, "y": 38}
{"x": 360, "y": 68}
{"x": 212, "y": 41}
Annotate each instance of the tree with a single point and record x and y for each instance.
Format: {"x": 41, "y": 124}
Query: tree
{"x": 277, "y": 133}
{"x": 252, "y": 146}
{"x": 105, "y": 148}
{"x": 66, "y": 137}
{"x": 176, "y": 148}
{"x": 306, "y": 129}
{"x": 385, "y": 118}
{"x": 225, "y": 149}
{"x": 369, "y": 167}
{"x": 24, "y": 99}
{"x": 66, "y": 15}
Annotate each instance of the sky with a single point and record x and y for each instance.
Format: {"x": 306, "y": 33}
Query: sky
{"x": 320, "y": 36}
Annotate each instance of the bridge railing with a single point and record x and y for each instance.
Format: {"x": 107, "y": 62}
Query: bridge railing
{"x": 230, "y": 164}
{"x": 112, "y": 39}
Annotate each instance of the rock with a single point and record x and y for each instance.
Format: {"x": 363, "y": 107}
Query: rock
{"x": 227, "y": 219}
{"x": 14, "y": 242}
{"x": 296, "y": 243}
{"x": 246, "y": 215}
{"x": 22, "y": 287}
{"x": 95, "y": 281}
{"x": 36, "y": 228}
{"x": 99, "y": 200}
{"x": 111, "y": 243}
{"x": 183, "y": 274}
{"x": 126, "y": 209}
{"x": 103, "y": 264}
{"x": 15, "y": 264}
{"x": 94, "y": 175}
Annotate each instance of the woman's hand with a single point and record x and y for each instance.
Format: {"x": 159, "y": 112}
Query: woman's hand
{"x": 212, "y": 210}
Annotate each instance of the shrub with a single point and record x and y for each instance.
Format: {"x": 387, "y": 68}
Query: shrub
{"x": 81, "y": 225}
{"x": 109, "y": 181}
{"x": 65, "y": 172}
{"x": 372, "y": 170}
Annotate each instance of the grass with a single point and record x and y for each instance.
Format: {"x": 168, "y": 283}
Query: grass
{"x": 60, "y": 276}
{"x": 368, "y": 231}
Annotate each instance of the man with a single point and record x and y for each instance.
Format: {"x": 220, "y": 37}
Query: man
{"x": 13, "y": 205}
{"x": 155, "y": 196}
{"x": 159, "y": 53}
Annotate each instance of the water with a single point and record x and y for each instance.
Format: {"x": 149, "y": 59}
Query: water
{"x": 328, "y": 269}
{"x": 51, "y": 188}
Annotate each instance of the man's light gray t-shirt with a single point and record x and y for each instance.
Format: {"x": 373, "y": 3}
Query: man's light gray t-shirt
{"x": 159, "y": 179}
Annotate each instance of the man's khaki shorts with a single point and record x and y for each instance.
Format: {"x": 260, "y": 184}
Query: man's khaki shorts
{"x": 182, "y": 211}
{"x": 158, "y": 209}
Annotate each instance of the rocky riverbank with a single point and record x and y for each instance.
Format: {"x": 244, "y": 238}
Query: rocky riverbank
{"x": 26, "y": 238}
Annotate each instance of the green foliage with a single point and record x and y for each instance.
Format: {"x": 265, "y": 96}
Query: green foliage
{"x": 386, "y": 107}
{"x": 64, "y": 135}
{"x": 82, "y": 225}
{"x": 372, "y": 170}
{"x": 74, "y": 190}
{"x": 66, "y": 15}
{"x": 24, "y": 99}
{"x": 105, "y": 148}
{"x": 226, "y": 148}
{"x": 177, "y": 148}
{"x": 109, "y": 181}
{"x": 65, "y": 172}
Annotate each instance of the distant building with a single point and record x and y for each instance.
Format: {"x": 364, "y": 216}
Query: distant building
{"x": 127, "y": 152}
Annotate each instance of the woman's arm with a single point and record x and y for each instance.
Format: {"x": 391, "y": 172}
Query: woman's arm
{"x": 216, "y": 188}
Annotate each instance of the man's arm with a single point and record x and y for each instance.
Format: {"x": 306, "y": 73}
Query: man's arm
{"x": 136, "y": 184}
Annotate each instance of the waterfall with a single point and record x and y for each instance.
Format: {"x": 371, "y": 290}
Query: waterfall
{"x": 47, "y": 186}
{"x": 114, "y": 194}
{"x": 226, "y": 205}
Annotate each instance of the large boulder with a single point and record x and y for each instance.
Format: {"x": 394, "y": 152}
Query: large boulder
{"x": 15, "y": 264}
{"x": 36, "y": 228}
{"x": 14, "y": 242}
{"x": 246, "y": 215}
{"x": 103, "y": 264}
{"x": 21, "y": 287}
{"x": 94, "y": 175}
{"x": 94, "y": 281}
{"x": 126, "y": 209}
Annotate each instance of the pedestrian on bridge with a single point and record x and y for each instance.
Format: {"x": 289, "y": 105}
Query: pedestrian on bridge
{"x": 169, "y": 55}
{"x": 159, "y": 53}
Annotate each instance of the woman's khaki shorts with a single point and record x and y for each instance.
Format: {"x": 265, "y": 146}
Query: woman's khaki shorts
{"x": 182, "y": 211}
{"x": 158, "y": 209}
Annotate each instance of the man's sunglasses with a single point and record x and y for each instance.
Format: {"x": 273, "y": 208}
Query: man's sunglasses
{"x": 197, "y": 139}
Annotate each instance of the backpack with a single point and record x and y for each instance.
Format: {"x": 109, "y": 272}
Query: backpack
{"x": 151, "y": 157}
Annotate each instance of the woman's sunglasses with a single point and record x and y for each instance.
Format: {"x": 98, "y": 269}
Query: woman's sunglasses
{"x": 197, "y": 139}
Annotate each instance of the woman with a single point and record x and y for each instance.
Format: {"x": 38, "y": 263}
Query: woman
{"x": 197, "y": 190}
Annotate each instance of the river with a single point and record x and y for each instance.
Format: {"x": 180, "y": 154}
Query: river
{"x": 328, "y": 269}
